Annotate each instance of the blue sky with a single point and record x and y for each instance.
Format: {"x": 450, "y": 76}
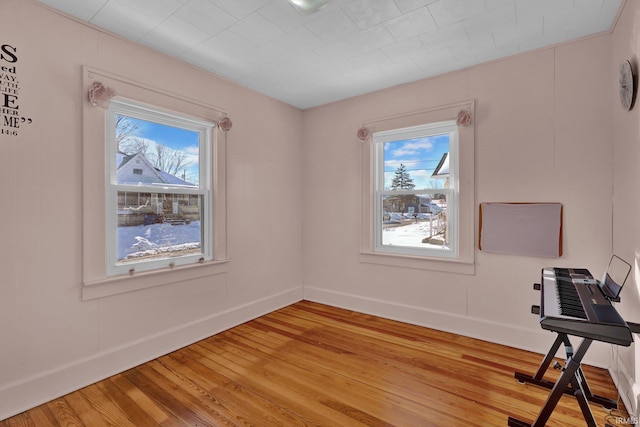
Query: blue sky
{"x": 175, "y": 138}
{"x": 420, "y": 157}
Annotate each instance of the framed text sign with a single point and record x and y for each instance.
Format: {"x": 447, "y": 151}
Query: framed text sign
{"x": 10, "y": 113}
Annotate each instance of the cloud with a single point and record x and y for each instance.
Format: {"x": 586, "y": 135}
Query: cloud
{"x": 413, "y": 147}
{"x": 409, "y": 163}
{"x": 192, "y": 150}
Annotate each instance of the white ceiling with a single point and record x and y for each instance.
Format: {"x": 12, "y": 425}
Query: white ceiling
{"x": 349, "y": 47}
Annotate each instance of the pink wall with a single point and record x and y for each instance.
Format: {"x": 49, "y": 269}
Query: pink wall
{"x": 52, "y": 341}
{"x": 626, "y": 197}
{"x": 544, "y": 123}
{"x": 543, "y": 134}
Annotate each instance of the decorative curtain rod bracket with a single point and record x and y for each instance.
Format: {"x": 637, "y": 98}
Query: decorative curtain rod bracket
{"x": 225, "y": 124}
{"x": 464, "y": 118}
{"x": 100, "y": 95}
{"x": 363, "y": 134}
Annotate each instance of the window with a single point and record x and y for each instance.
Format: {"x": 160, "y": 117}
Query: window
{"x": 175, "y": 193}
{"x": 416, "y": 191}
{"x": 158, "y": 188}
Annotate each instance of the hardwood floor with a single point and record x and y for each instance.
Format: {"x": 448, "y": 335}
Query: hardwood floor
{"x": 314, "y": 365}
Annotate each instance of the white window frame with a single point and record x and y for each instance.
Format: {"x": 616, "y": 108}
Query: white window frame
{"x": 96, "y": 282}
{"x": 431, "y": 129}
{"x": 463, "y": 262}
{"x": 204, "y": 128}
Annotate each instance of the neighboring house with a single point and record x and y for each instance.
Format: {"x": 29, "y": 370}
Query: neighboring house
{"x": 136, "y": 169}
{"x": 147, "y": 206}
{"x": 425, "y": 203}
{"x": 442, "y": 170}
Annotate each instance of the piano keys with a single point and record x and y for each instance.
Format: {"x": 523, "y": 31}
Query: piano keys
{"x": 572, "y": 303}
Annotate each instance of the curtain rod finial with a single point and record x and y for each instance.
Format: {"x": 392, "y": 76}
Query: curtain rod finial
{"x": 100, "y": 95}
{"x": 363, "y": 134}
{"x": 225, "y": 124}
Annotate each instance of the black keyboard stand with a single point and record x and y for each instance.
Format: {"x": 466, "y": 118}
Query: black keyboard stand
{"x": 572, "y": 381}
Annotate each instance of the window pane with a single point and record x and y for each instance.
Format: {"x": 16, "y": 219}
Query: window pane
{"x": 151, "y": 153}
{"x": 417, "y": 163}
{"x": 158, "y": 225}
{"x": 415, "y": 220}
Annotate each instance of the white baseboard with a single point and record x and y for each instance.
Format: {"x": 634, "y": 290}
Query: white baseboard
{"x": 536, "y": 340}
{"x": 45, "y": 386}
{"x": 628, "y": 389}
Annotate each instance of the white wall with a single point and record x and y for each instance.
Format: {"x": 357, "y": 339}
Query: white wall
{"x": 52, "y": 341}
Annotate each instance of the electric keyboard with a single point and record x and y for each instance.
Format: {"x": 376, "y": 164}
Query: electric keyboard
{"x": 573, "y": 303}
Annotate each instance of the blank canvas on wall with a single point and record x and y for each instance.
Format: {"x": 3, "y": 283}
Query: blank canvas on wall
{"x": 532, "y": 229}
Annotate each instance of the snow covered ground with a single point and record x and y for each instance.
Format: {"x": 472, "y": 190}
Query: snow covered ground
{"x": 410, "y": 235}
{"x": 156, "y": 239}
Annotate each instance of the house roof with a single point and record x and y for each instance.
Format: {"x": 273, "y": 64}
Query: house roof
{"x": 442, "y": 170}
{"x": 136, "y": 169}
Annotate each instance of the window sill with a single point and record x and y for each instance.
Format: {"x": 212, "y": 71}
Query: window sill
{"x": 407, "y": 261}
{"x": 121, "y": 284}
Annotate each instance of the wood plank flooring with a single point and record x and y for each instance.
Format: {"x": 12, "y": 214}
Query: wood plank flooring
{"x": 314, "y": 365}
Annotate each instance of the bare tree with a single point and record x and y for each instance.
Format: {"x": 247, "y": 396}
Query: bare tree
{"x": 161, "y": 160}
{"x": 161, "y": 156}
{"x": 126, "y": 138}
{"x": 169, "y": 160}
{"x": 179, "y": 160}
